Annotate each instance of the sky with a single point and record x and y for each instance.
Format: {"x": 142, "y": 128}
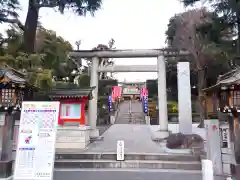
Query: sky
{"x": 133, "y": 24}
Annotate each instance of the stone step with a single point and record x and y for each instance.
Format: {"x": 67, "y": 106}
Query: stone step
{"x": 126, "y": 174}
{"x": 62, "y": 163}
{"x": 134, "y": 156}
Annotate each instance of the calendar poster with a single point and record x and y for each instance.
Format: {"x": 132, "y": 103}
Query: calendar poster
{"x": 36, "y": 142}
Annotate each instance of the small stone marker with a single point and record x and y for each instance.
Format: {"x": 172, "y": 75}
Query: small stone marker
{"x": 120, "y": 150}
{"x": 207, "y": 170}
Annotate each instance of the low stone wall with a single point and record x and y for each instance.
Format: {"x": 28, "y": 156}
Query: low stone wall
{"x": 73, "y": 137}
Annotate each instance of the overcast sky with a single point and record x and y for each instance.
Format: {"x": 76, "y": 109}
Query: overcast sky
{"x": 136, "y": 24}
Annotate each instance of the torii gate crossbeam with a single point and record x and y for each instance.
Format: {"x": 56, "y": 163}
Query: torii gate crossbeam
{"x": 129, "y": 68}
{"x": 130, "y": 53}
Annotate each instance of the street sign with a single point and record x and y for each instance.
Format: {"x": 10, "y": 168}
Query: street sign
{"x": 120, "y": 150}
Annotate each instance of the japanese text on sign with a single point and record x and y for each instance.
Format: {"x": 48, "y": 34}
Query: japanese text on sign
{"x": 36, "y": 142}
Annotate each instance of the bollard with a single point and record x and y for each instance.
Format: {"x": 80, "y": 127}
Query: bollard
{"x": 207, "y": 170}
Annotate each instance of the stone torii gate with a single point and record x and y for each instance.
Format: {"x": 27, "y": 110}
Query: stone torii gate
{"x": 131, "y": 53}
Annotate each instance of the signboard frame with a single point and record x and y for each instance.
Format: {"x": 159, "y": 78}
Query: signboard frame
{"x": 40, "y": 118}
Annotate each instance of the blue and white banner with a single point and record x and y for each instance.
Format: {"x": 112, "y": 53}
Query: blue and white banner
{"x": 145, "y": 104}
{"x": 110, "y": 108}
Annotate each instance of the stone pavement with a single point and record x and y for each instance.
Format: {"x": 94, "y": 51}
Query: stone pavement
{"x": 125, "y": 175}
{"x": 135, "y": 117}
{"x": 136, "y": 137}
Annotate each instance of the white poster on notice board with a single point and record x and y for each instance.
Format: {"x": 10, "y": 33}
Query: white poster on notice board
{"x": 36, "y": 142}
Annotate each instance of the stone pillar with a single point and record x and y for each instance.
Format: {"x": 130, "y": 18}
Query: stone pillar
{"x": 6, "y": 160}
{"x": 162, "y": 98}
{"x": 92, "y": 108}
{"x": 184, "y": 98}
{"x": 213, "y": 144}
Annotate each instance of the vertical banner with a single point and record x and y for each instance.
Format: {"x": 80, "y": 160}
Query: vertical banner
{"x": 110, "y": 108}
{"x": 145, "y": 104}
{"x": 120, "y": 91}
{"x": 143, "y": 92}
{"x": 113, "y": 94}
{"x": 116, "y": 93}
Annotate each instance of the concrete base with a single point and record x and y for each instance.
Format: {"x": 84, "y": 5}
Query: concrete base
{"x": 160, "y": 135}
{"x": 112, "y": 119}
{"x": 73, "y": 137}
{"x": 147, "y": 120}
{"x": 9, "y": 178}
{"x": 94, "y": 133}
{"x": 132, "y": 161}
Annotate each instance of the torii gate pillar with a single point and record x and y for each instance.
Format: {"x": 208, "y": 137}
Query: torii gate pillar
{"x": 92, "y": 106}
{"x": 162, "y": 98}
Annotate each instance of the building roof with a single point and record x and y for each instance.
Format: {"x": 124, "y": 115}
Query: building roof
{"x": 229, "y": 78}
{"x": 12, "y": 76}
{"x": 65, "y": 93}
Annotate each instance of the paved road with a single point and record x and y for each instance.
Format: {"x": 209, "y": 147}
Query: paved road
{"x": 130, "y": 112}
{"x": 125, "y": 175}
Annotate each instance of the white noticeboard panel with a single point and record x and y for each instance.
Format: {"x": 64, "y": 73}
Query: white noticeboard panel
{"x": 36, "y": 143}
{"x": 120, "y": 150}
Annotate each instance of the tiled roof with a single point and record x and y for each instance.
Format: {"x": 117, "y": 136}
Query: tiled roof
{"x": 70, "y": 93}
{"x": 228, "y": 78}
{"x": 12, "y": 76}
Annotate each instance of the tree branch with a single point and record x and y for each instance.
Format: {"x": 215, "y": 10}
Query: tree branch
{"x": 46, "y": 5}
{"x": 13, "y": 21}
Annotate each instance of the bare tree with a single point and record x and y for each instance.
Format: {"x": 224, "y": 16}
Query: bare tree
{"x": 184, "y": 30}
{"x": 78, "y": 43}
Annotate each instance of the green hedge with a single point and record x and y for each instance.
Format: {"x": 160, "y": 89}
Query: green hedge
{"x": 173, "y": 106}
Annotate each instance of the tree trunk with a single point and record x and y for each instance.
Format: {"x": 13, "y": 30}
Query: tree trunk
{"x": 201, "y": 99}
{"x": 238, "y": 27}
{"x": 31, "y": 27}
